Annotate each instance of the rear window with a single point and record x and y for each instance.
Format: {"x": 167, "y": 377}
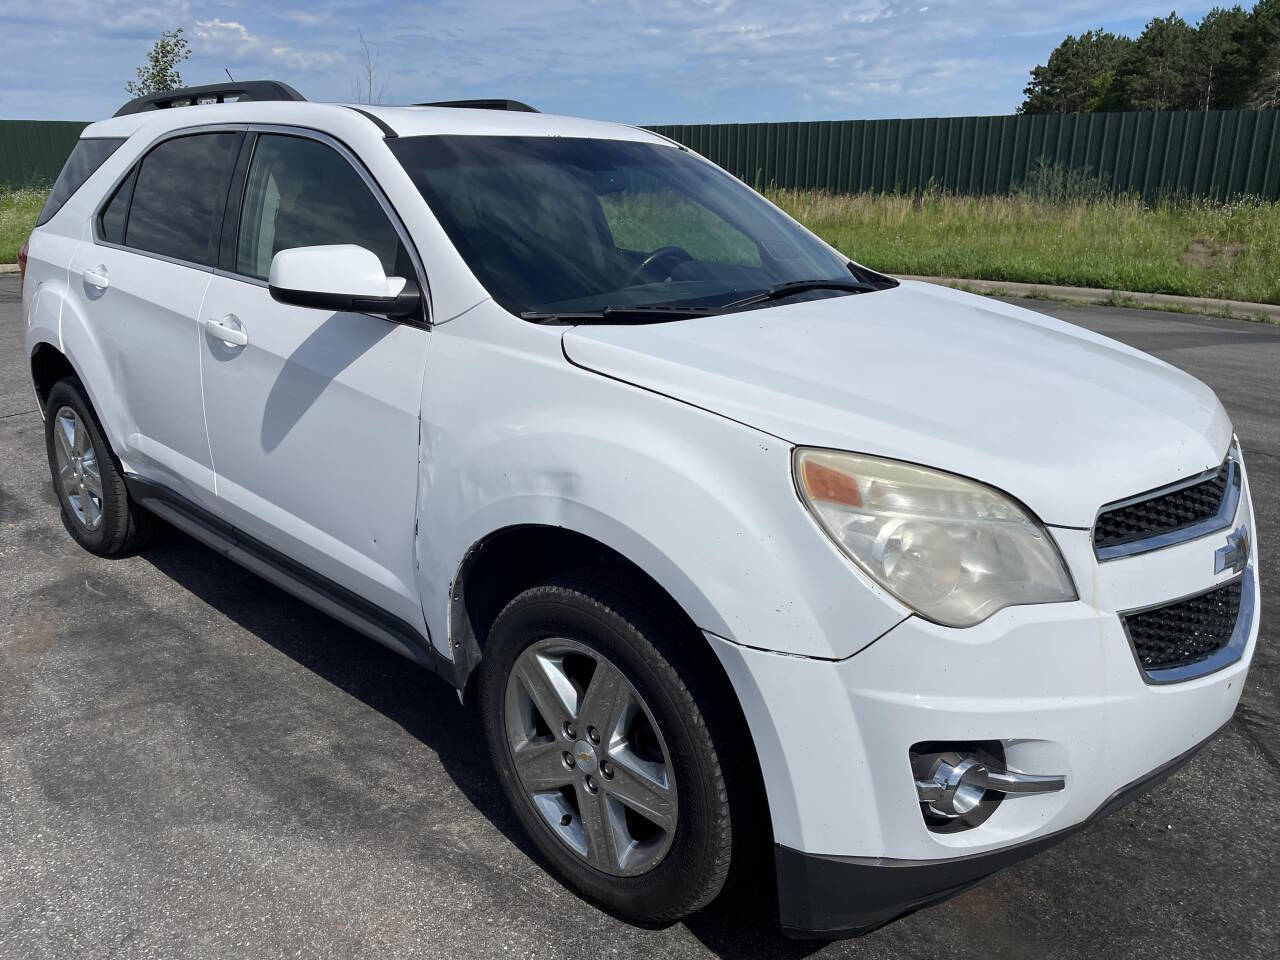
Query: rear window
{"x": 178, "y": 197}
{"x": 87, "y": 157}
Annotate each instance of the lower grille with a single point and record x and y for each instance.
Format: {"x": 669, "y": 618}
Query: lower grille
{"x": 1186, "y": 631}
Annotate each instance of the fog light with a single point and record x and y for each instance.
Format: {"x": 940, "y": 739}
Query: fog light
{"x": 959, "y": 788}
{"x": 955, "y": 788}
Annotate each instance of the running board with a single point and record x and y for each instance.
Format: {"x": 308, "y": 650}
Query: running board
{"x": 291, "y": 576}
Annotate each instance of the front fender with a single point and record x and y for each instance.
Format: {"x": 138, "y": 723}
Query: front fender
{"x": 514, "y": 434}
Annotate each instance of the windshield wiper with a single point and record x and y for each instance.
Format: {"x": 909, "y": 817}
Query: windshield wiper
{"x": 780, "y": 290}
{"x": 620, "y": 314}
{"x": 659, "y": 313}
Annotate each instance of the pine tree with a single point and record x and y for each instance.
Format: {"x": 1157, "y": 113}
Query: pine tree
{"x": 1214, "y": 66}
{"x": 1155, "y": 75}
{"x": 1077, "y": 75}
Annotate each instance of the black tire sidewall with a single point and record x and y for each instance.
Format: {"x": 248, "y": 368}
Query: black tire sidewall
{"x": 680, "y": 882}
{"x": 69, "y": 393}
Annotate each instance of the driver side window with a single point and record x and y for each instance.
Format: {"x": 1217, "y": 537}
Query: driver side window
{"x": 303, "y": 193}
{"x": 645, "y": 220}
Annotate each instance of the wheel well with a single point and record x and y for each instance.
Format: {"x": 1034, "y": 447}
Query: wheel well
{"x": 510, "y": 561}
{"x": 48, "y": 366}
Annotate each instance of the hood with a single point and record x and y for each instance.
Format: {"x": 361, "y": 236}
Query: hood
{"x": 1061, "y": 418}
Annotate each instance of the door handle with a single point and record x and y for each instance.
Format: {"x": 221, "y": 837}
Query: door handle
{"x": 96, "y": 277}
{"x": 228, "y": 329}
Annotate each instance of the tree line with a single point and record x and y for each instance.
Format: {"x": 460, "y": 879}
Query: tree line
{"x": 1230, "y": 60}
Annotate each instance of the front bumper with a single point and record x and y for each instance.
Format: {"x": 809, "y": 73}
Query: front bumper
{"x": 830, "y": 897}
{"x": 1057, "y": 685}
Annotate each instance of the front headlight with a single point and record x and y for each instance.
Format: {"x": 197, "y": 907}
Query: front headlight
{"x": 953, "y": 550}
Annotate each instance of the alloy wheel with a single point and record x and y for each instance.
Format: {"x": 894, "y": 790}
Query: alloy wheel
{"x": 585, "y": 747}
{"x": 79, "y": 478}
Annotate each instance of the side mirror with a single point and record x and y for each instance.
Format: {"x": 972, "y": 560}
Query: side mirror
{"x": 341, "y": 277}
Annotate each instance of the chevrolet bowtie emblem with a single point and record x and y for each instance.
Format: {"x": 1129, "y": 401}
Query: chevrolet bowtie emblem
{"x": 1235, "y": 555}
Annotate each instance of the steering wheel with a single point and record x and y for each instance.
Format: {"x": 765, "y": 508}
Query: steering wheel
{"x": 668, "y": 258}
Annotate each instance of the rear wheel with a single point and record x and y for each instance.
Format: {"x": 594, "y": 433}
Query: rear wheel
{"x": 96, "y": 508}
{"x": 605, "y": 752}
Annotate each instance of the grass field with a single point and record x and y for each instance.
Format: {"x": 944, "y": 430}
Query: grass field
{"x": 1189, "y": 247}
{"x": 18, "y": 211}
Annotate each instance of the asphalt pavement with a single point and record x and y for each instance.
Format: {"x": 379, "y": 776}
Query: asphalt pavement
{"x": 193, "y": 764}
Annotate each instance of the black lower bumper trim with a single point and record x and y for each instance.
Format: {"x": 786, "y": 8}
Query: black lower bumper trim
{"x": 831, "y": 897}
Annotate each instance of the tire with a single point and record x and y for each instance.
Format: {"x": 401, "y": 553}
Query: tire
{"x": 668, "y": 874}
{"x": 104, "y": 521}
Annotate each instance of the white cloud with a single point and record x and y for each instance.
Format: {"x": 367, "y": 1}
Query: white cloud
{"x": 234, "y": 41}
{"x": 224, "y": 36}
{"x": 307, "y": 18}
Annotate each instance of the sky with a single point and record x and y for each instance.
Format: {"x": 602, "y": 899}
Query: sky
{"x": 637, "y": 61}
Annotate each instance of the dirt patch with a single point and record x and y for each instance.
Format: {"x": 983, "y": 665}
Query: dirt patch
{"x": 1202, "y": 252}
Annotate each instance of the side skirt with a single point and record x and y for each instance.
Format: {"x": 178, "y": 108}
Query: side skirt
{"x": 290, "y": 575}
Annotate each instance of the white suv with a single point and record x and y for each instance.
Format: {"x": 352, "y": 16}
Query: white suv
{"x": 736, "y": 544}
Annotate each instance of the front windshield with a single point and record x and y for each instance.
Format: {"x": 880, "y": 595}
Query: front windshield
{"x": 564, "y": 225}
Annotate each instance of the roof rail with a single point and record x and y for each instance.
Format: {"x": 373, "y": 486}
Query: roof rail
{"x": 514, "y": 105}
{"x": 212, "y": 93}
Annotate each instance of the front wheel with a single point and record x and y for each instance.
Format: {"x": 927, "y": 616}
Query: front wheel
{"x": 605, "y": 752}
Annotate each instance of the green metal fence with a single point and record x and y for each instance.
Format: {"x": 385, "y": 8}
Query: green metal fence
{"x": 33, "y": 151}
{"x": 1215, "y": 153}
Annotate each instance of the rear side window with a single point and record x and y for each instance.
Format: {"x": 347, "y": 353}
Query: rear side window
{"x": 115, "y": 213}
{"x": 87, "y": 157}
{"x": 178, "y": 198}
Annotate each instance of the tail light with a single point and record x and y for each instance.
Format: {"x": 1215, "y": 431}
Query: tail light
{"x": 22, "y": 263}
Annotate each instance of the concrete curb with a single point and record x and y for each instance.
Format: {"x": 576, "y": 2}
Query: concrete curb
{"x": 1243, "y": 310}
{"x": 8, "y": 268}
